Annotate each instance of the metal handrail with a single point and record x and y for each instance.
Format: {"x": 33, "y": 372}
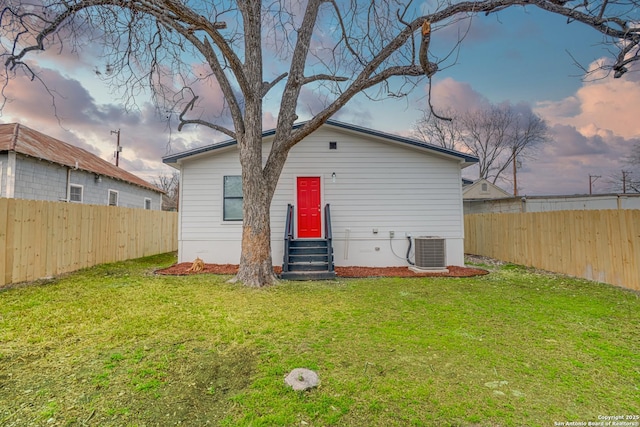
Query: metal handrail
{"x": 328, "y": 234}
{"x": 288, "y": 228}
{"x": 288, "y": 237}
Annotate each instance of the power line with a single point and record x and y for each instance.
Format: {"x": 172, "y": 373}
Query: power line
{"x": 592, "y": 179}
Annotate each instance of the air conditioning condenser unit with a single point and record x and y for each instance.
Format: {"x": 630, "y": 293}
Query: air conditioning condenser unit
{"x": 430, "y": 253}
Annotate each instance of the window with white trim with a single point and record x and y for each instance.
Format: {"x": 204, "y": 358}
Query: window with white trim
{"x": 75, "y": 193}
{"x": 232, "y": 203}
{"x": 113, "y": 198}
{"x": 147, "y": 203}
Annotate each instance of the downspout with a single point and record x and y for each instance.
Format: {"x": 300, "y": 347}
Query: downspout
{"x": 347, "y": 237}
{"x": 11, "y": 175}
{"x": 68, "y": 185}
{"x": 11, "y": 165}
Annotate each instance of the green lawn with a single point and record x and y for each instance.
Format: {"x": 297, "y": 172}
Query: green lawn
{"x": 117, "y": 345}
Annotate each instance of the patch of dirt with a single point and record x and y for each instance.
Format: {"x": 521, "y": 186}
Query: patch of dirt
{"x": 181, "y": 269}
{"x": 479, "y": 259}
{"x": 198, "y": 389}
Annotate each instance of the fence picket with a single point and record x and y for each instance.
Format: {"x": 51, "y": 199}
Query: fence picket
{"x": 598, "y": 245}
{"x": 40, "y": 239}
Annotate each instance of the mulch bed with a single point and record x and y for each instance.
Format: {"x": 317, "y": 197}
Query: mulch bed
{"x": 181, "y": 269}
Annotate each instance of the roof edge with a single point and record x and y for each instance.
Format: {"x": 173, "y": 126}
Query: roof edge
{"x": 406, "y": 140}
{"x": 109, "y": 170}
{"x": 466, "y": 158}
{"x": 14, "y": 139}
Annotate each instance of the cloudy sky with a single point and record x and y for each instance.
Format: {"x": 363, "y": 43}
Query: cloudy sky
{"x": 520, "y": 56}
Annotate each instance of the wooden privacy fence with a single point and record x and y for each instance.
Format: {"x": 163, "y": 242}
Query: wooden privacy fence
{"x": 601, "y": 245}
{"x": 41, "y": 239}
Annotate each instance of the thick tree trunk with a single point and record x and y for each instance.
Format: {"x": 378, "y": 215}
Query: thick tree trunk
{"x": 256, "y": 266}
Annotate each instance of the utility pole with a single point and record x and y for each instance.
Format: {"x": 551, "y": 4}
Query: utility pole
{"x": 624, "y": 181}
{"x": 592, "y": 179}
{"x": 118, "y": 148}
{"x": 515, "y": 177}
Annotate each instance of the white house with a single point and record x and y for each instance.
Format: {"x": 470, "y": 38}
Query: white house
{"x": 383, "y": 190}
{"x": 38, "y": 167}
{"x": 483, "y": 189}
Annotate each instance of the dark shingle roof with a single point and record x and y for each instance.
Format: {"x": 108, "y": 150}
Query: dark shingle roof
{"x": 21, "y": 139}
{"x": 173, "y": 158}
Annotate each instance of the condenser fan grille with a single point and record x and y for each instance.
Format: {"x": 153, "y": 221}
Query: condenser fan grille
{"x": 430, "y": 252}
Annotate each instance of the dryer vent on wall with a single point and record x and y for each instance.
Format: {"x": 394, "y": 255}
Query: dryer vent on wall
{"x": 430, "y": 252}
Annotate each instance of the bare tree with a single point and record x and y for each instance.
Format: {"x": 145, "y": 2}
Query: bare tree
{"x": 170, "y": 184}
{"x": 628, "y": 180}
{"x": 624, "y": 182}
{"x": 498, "y": 135}
{"x": 434, "y": 130}
{"x": 335, "y": 48}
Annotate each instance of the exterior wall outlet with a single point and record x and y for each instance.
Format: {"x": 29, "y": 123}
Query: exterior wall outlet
{"x": 392, "y": 234}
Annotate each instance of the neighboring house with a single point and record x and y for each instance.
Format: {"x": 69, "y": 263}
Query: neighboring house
{"x": 381, "y": 189}
{"x": 483, "y": 189}
{"x": 36, "y": 166}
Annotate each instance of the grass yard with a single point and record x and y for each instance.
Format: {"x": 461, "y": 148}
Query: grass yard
{"x": 116, "y": 345}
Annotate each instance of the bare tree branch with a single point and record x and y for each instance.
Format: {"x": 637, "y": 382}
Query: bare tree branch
{"x": 210, "y": 125}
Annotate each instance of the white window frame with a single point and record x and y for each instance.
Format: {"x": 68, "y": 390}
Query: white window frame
{"x": 116, "y": 192}
{"x": 225, "y": 197}
{"x": 81, "y": 187}
{"x": 147, "y": 201}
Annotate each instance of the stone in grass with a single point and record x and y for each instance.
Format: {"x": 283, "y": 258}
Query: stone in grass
{"x": 301, "y": 379}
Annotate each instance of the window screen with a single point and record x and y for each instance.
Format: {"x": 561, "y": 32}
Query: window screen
{"x": 113, "y": 198}
{"x": 75, "y": 193}
{"x": 232, "y": 209}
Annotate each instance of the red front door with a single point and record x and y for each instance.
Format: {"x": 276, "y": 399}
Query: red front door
{"x": 309, "y": 213}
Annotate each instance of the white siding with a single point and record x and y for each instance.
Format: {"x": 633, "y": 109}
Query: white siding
{"x": 379, "y": 185}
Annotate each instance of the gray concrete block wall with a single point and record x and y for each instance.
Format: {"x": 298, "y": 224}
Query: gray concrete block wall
{"x": 129, "y": 196}
{"x": 42, "y": 180}
{"x": 39, "y": 180}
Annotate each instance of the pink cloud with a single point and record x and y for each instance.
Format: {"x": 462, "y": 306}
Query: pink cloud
{"x": 449, "y": 94}
{"x": 605, "y": 103}
{"x": 593, "y": 132}
{"x": 79, "y": 120}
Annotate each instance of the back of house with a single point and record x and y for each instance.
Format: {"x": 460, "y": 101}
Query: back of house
{"x": 383, "y": 191}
